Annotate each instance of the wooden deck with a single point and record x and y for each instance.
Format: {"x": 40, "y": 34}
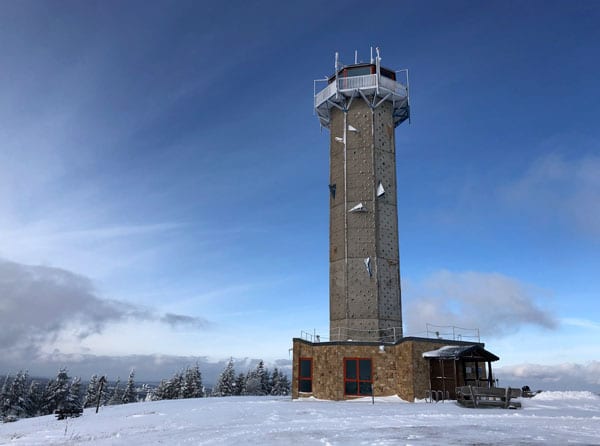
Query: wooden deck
{"x": 480, "y": 397}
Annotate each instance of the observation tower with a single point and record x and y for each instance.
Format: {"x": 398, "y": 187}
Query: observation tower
{"x": 361, "y": 104}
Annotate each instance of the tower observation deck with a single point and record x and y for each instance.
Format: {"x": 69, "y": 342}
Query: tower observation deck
{"x": 361, "y": 105}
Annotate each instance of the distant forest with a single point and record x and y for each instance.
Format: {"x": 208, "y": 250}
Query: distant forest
{"x": 23, "y": 397}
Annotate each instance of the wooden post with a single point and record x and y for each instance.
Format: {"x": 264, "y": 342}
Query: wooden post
{"x": 473, "y": 396}
{"x": 372, "y": 394}
{"x": 443, "y": 365}
{"x": 100, "y": 387}
{"x": 455, "y": 377}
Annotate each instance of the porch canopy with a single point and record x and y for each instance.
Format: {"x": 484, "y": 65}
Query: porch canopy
{"x": 471, "y": 353}
{"x": 454, "y": 366}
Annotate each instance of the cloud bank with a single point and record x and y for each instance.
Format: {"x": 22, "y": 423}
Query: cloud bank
{"x": 496, "y": 304}
{"x": 38, "y": 303}
{"x": 566, "y": 376}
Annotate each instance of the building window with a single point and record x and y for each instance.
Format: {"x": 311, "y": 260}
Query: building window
{"x": 358, "y": 376}
{"x": 305, "y": 375}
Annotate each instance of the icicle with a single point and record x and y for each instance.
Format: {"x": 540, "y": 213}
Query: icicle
{"x": 358, "y": 208}
{"x": 380, "y": 189}
{"x": 368, "y": 266}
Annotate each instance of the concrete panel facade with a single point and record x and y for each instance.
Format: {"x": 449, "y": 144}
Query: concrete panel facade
{"x": 364, "y": 305}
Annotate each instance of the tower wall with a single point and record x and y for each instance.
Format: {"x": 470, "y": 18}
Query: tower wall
{"x": 362, "y": 306}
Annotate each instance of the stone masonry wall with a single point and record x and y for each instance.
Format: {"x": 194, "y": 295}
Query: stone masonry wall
{"x": 399, "y": 369}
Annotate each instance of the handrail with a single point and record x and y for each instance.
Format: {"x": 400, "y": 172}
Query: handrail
{"x": 352, "y": 83}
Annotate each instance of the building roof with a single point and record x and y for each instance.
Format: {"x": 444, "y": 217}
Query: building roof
{"x": 474, "y": 352}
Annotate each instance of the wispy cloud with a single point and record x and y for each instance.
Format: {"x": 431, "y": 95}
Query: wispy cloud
{"x": 176, "y": 320}
{"x": 581, "y": 323}
{"x": 558, "y": 188}
{"x": 496, "y": 304}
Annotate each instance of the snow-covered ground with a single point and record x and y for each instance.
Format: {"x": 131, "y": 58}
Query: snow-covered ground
{"x": 550, "y": 418}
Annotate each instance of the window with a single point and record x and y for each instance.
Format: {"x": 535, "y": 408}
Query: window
{"x": 305, "y": 375}
{"x": 358, "y": 376}
{"x": 358, "y": 71}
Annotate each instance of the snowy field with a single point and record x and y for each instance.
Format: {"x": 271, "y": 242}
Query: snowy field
{"x": 551, "y": 418}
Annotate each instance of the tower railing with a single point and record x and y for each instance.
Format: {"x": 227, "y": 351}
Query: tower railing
{"x": 453, "y": 332}
{"x": 353, "y": 83}
{"x": 393, "y": 334}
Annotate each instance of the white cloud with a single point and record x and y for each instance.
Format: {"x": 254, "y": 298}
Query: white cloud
{"x": 496, "y": 304}
{"x": 557, "y": 188}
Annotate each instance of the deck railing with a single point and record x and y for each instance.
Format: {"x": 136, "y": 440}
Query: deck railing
{"x": 365, "y": 82}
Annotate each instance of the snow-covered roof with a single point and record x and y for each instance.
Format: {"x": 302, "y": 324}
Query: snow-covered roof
{"x": 461, "y": 351}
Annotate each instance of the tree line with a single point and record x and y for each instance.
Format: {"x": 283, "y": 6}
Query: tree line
{"x": 23, "y": 397}
{"x": 259, "y": 381}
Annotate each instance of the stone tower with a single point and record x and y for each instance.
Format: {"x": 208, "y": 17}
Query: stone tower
{"x": 361, "y": 105}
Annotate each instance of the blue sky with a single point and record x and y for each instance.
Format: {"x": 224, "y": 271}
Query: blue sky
{"x": 161, "y": 166}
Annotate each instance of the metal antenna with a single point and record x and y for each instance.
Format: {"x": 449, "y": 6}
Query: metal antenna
{"x": 355, "y": 57}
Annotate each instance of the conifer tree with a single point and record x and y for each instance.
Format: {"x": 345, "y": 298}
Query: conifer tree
{"x": 257, "y": 379}
{"x": 34, "y": 399}
{"x": 129, "y": 395}
{"x": 226, "y": 382}
{"x": 91, "y": 395}
{"x": 17, "y": 395}
{"x": 115, "y": 396}
{"x": 280, "y": 385}
{"x": 254, "y": 379}
{"x": 73, "y": 400}
{"x": 56, "y": 392}
{"x": 4, "y": 396}
{"x": 274, "y": 382}
{"x": 192, "y": 383}
{"x": 240, "y": 384}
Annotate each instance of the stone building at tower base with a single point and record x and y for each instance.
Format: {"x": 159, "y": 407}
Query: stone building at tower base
{"x": 408, "y": 368}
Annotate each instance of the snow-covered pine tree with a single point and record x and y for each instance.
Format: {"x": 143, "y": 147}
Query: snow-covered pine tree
{"x": 285, "y": 386}
{"x": 254, "y": 380}
{"x": 34, "y": 399}
{"x": 4, "y": 396}
{"x": 91, "y": 395}
{"x": 160, "y": 391}
{"x": 129, "y": 395}
{"x": 226, "y": 383}
{"x": 115, "y": 396}
{"x": 265, "y": 381}
{"x": 240, "y": 384}
{"x": 56, "y": 392}
{"x": 274, "y": 381}
{"x": 168, "y": 389}
{"x": 192, "y": 383}
{"x": 280, "y": 383}
{"x": 73, "y": 401}
{"x": 17, "y": 395}
{"x": 257, "y": 379}
{"x": 176, "y": 385}
{"x": 4, "y": 399}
